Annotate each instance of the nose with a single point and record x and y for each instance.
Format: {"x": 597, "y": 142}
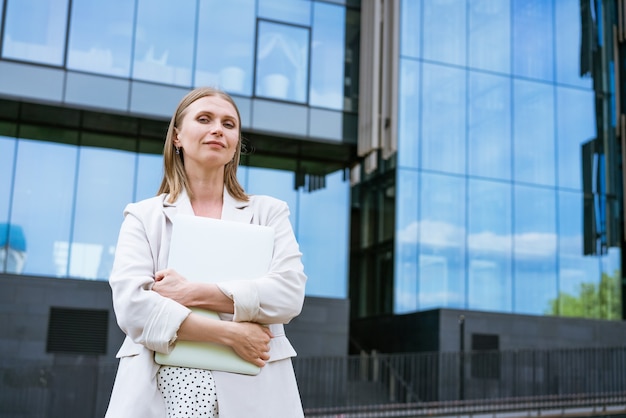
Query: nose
{"x": 216, "y": 128}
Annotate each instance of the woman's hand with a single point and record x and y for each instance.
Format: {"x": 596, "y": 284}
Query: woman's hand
{"x": 251, "y": 341}
{"x": 172, "y": 285}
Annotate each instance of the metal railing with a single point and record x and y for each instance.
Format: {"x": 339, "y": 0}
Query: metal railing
{"x": 367, "y": 385}
{"x": 476, "y": 380}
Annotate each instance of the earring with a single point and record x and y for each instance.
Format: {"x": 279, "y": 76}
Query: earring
{"x": 177, "y": 151}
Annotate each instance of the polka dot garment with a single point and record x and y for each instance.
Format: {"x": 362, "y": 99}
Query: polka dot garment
{"x": 188, "y": 392}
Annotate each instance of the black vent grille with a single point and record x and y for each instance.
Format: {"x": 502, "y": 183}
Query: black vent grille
{"x": 485, "y": 342}
{"x": 80, "y": 331}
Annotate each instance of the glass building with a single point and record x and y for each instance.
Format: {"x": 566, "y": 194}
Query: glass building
{"x": 505, "y": 191}
{"x": 88, "y": 86}
{"x": 493, "y": 182}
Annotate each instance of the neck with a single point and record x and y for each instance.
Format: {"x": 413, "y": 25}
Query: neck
{"x": 208, "y": 204}
{"x": 208, "y": 194}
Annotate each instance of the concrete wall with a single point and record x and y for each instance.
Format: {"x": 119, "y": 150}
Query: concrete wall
{"x": 517, "y": 332}
{"x": 440, "y": 330}
{"x": 36, "y": 383}
{"x": 322, "y": 329}
{"x": 25, "y": 302}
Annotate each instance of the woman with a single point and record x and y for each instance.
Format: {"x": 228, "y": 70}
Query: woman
{"x": 201, "y": 153}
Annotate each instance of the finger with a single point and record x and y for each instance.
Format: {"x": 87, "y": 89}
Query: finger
{"x": 160, "y": 275}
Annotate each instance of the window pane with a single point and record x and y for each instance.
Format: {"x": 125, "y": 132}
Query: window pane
{"x": 533, "y": 137}
{"x": 533, "y": 52}
{"x": 12, "y": 245}
{"x": 101, "y": 36}
{"x": 611, "y": 282}
{"x": 568, "y": 53}
{"x": 410, "y": 23}
{"x": 441, "y": 242}
{"x": 100, "y": 201}
{"x": 282, "y": 62}
{"x": 236, "y": 24}
{"x": 444, "y": 32}
{"x": 490, "y": 244}
{"x": 443, "y": 119}
{"x": 164, "y": 41}
{"x": 575, "y": 126}
{"x": 406, "y": 284}
{"x": 35, "y": 30}
{"x": 327, "y": 278}
{"x": 275, "y": 183}
{"x": 46, "y": 226}
{"x": 324, "y": 277}
{"x": 534, "y": 244}
{"x": 290, "y": 11}
{"x": 490, "y": 35}
{"x": 7, "y": 155}
{"x": 575, "y": 269}
{"x": 489, "y": 144}
{"x": 409, "y": 113}
{"x": 327, "y": 56}
{"x": 149, "y": 175}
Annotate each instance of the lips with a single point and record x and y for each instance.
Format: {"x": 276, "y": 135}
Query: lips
{"x": 218, "y": 143}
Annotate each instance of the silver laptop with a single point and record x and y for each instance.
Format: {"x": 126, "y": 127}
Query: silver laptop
{"x": 210, "y": 251}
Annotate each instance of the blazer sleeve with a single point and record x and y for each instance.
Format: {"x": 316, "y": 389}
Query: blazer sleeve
{"x": 277, "y": 297}
{"x": 145, "y": 316}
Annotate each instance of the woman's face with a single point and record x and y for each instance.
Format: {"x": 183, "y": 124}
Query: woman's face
{"x": 209, "y": 133}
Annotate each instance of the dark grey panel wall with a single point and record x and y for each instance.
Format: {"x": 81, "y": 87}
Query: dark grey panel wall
{"x": 441, "y": 330}
{"x": 321, "y": 329}
{"x": 53, "y": 385}
{"x": 25, "y": 302}
{"x": 518, "y": 332}
{"x": 37, "y": 383}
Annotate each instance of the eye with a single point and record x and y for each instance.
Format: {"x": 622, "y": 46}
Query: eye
{"x": 204, "y": 119}
{"x": 229, "y": 125}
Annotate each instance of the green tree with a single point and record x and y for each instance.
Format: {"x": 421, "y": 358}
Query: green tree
{"x": 594, "y": 300}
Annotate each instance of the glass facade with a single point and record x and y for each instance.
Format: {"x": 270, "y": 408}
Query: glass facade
{"x": 61, "y": 208}
{"x": 42, "y": 38}
{"x": 289, "y": 51}
{"x": 62, "y": 191}
{"x": 493, "y": 117}
{"x": 486, "y": 205}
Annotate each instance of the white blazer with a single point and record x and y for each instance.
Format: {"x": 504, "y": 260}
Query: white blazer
{"x": 150, "y": 321}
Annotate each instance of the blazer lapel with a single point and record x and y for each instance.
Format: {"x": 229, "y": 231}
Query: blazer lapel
{"x": 235, "y": 210}
{"x": 181, "y": 205}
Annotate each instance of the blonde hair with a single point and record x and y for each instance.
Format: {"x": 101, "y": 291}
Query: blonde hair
{"x": 174, "y": 176}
